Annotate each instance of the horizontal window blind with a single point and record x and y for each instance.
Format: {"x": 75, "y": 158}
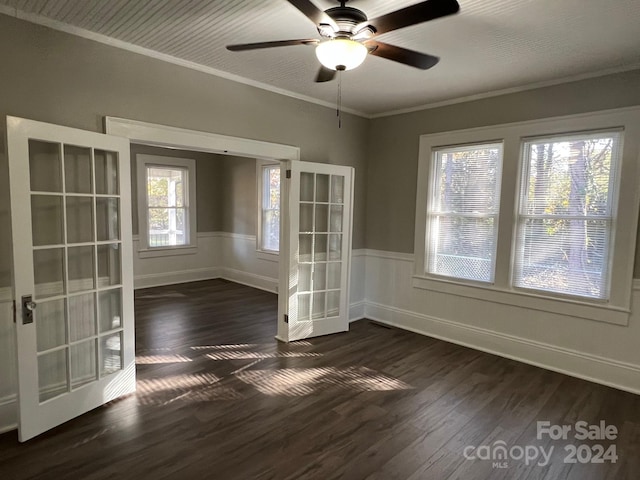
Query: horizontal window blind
{"x": 270, "y": 222}
{"x": 167, "y": 206}
{"x": 566, "y": 214}
{"x": 463, "y": 211}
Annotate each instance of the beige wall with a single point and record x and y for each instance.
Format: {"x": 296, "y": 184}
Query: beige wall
{"x": 239, "y": 196}
{"x": 59, "y": 78}
{"x": 392, "y": 163}
{"x": 226, "y": 190}
{"x": 209, "y": 168}
{"x": 5, "y": 219}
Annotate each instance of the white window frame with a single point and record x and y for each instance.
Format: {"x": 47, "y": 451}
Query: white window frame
{"x": 261, "y": 166}
{"x": 610, "y": 217}
{"x": 144, "y": 161}
{"x": 434, "y": 199}
{"x": 625, "y": 207}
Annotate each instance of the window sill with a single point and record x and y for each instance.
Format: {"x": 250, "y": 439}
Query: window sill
{"x": 167, "y": 252}
{"x": 563, "y": 306}
{"x": 267, "y": 255}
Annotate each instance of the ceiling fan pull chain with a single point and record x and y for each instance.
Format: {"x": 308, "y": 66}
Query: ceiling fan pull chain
{"x": 339, "y": 112}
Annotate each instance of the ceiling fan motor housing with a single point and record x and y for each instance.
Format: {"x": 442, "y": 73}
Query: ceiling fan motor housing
{"x": 347, "y": 19}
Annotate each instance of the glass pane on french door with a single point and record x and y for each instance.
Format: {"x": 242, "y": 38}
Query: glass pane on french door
{"x": 320, "y": 259}
{"x": 75, "y": 219}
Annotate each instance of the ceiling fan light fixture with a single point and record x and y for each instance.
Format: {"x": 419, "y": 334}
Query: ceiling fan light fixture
{"x": 341, "y": 54}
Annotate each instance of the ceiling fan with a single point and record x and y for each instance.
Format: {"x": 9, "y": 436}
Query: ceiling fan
{"x": 348, "y": 35}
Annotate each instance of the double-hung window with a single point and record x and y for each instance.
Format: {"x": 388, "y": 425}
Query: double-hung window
{"x": 565, "y": 220}
{"x": 463, "y": 211}
{"x": 166, "y": 203}
{"x": 564, "y": 238}
{"x": 269, "y": 217}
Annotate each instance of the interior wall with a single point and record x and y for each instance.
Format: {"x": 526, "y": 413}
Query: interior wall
{"x": 392, "y": 162}
{"x": 8, "y": 380}
{"x": 5, "y": 219}
{"x": 599, "y": 351}
{"x": 226, "y": 222}
{"x": 209, "y": 196}
{"x": 55, "y": 77}
{"x": 239, "y": 195}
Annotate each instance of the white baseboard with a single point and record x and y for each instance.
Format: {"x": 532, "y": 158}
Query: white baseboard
{"x": 249, "y": 279}
{"x": 612, "y": 373}
{"x": 8, "y": 414}
{"x": 170, "y": 278}
{"x": 356, "y": 311}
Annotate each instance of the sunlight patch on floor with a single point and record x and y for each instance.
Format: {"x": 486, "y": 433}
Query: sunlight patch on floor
{"x": 201, "y": 387}
{"x": 230, "y": 355}
{"x": 176, "y": 381}
{"x": 306, "y": 381}
{"x": 235, "y": 346}
{"x": 158, "y": 359}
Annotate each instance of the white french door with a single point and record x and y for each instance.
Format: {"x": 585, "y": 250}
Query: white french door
{"x": 73, "y": 279}
{"x": 315, "y": 250}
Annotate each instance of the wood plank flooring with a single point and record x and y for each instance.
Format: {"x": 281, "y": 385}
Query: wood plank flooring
{"x": 219, "y": 398}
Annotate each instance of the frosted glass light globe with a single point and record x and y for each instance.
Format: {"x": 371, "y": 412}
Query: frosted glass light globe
{"x": 341, "y": 54}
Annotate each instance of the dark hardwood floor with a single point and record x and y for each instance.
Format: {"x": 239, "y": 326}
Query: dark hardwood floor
{"x": 219, "y": 398}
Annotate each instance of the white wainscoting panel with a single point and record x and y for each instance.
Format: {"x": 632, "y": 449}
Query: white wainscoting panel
{"x": 233, "y": 257}
{"x": 599, "y": 352}
{"x": 8, "y": 367}
{"x": 381, "y": 290}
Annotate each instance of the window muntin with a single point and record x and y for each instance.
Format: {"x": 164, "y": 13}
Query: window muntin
{"x": 270, "y": 209}
{"x": 166, "y": 192}
{"x": 566, "y": 214}
{"x": 463, "y": 211}
{"x": 167, "y": 206}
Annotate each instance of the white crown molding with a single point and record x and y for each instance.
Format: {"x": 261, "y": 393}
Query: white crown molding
{"x": 506, "y": 91}
{"x": 97, "y": 37}
{"x": 87, "y": 34}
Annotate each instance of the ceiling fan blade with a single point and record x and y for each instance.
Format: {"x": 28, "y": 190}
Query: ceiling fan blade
{"x": 325, "y": 75}
{"x": 418, "y": 13}
{"x": 278, "y": 43}
{"x": 313, "y": 13}
{"x": 412, "y": 58}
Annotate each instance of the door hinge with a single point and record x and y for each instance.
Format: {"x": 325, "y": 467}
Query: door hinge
{"x": 14, "y": 311}
{"x": 286, "y": 319}
{"x": 288, "y": 174}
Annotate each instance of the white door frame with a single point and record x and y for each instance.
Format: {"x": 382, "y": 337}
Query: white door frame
{"x": 185, "y": 139}
{"x": 166, "y": 136}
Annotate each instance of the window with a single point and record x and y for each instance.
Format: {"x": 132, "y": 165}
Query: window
{"x": 564, "y": 238}
{"x": 269, "y": 219}
{"x": 166, "y": 203}
{"x": 463, "y": 211}
{"x": 566, "y": 214}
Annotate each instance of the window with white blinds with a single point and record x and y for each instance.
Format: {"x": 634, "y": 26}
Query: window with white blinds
{"x": 463, "y": 211}
{"x": 566, "y": 215}
{"x": 269, "y": 238}
{"x": 166, "y": 205}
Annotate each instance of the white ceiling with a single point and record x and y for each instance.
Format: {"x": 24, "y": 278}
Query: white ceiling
{"x": 490, "y": 46}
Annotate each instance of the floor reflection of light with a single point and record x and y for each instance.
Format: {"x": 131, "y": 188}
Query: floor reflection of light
{"x": 201, "y": 387}
{"x": 241, "y": 346}
{"x": 155, "y": 359}
{"x": 230, "y": 355}
{"x": 226, "y": 347}
{"x": 93, "y": 437}
{"x": 305, "y": 381}
{"x": 174, "y": 382}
